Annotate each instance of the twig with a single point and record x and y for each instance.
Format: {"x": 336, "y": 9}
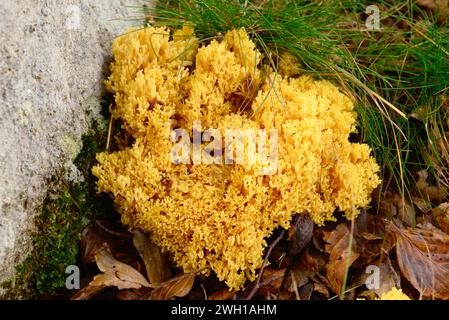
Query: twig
{"x": 264, "y": 264}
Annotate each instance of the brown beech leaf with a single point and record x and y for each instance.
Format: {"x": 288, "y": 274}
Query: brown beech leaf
{"x": 128, "y": 295}
{"x": 370, "y": 246}
{"x": 422, "y": 204}
{"x": 223, "y": 294}
{"x": 395, "y": 206}
{"x": 87, "y": 292}
{"x": 178, "y": 286}
{"x": 305, "y": 292}
{"x": 271, "y": 281}
{"x": 116, "y": 273}
{"x": 438, "y": 6}
{"x": 300, "y": 234}
{"x": 370, "y": 236}
{"x": 382, "y": 271}
{"x": 155, "y": 263}
{"x": 423, "y": 257}
{"x": 284, "y": 295}
{"x": 91, "y": 243}
{"x": 340, "y": 256}
{"x": 279, "y": 258}
{"x": 317, "y": 239}
{"x": 389, "y": 278}
{"x": 440, "y": 215}
{"x": 429, "y": 192}
{"x": 300, "y": 274}
{"x": 321, "y": 288}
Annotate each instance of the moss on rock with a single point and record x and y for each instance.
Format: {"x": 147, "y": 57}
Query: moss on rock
{"x": 65, "y": 212}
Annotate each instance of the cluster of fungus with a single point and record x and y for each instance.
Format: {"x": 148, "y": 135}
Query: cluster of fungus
{"x": 218, "y": 216}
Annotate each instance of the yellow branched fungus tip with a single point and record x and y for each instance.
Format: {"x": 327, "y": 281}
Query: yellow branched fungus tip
{"x": 394, "y": 294}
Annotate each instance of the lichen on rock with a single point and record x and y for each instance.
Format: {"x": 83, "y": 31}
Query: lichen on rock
{"x": 218, "y": 216}
{"x": 52, "y": 72}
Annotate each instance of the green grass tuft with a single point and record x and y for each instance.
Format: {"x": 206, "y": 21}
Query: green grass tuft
{"x": 390, "y": 72}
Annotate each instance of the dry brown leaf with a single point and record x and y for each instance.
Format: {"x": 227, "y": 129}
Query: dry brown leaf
{"x": 440, "y": 215}
{"x": 423, "y": 257}
{"x": 271, "y": 281}
{"x": 128, "y": 295}
{"x": 223, "y": 294}
{"x": 438, "y": 6}
{"x": 175, "y": 287}
{"x": 429, "y": 192}
{"x": 87, "y": 292}
{"x": 317, "y": 239}
{"x": 388, "y": 278}
{"x": 341, "y": 256}
{"x": 422, "y": 204}
{"x": 279, "y": 258}
{"x": 301, "y": 272}
{"x": 395, "y": 206}
{"x": 91, "y": 243}
{"x": 300, "y": 234}
{"x": 361, "y": 222}
{"x": 370, "y": 236}
{"x": 372, "y": 245}
{"x": 305, "y": 292}
{"x": 285, "y": 295}
{"x": 155, "y": 263}
{"x": 116, "y": 273}
{"x": 426, "y": 219}
{"x": 321, "y": 288}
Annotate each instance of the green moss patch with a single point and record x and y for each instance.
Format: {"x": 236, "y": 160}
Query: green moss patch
{"x": 65, "y": 213}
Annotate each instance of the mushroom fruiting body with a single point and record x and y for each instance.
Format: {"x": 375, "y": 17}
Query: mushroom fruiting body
{"x": 217, "y": 216}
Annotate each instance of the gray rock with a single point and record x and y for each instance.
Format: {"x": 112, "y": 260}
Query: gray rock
{"x": 52, "y": 58}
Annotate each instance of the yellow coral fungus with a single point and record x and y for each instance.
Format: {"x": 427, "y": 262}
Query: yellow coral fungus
{"x": 394, "y": 294}
{"x": 217, "y": 216}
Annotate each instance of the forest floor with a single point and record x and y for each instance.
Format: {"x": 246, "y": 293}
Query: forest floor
{"x": 399, "y": 71}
